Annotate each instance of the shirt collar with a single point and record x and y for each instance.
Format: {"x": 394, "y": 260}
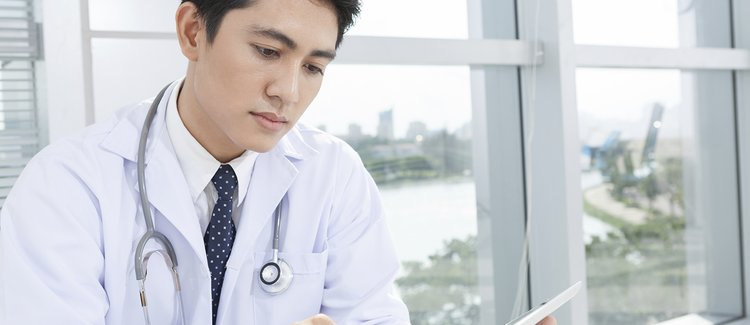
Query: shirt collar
{"x": 196, "y": 162}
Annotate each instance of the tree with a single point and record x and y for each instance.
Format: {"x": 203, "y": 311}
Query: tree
{"x": 443, "y": 290}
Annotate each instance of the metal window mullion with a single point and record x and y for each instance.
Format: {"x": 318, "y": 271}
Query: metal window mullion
{"x": 741, "y": 34}
{"x": 497, "y": 163}
{"x": 597, "y": 56}
{"x": 556, "y": 248}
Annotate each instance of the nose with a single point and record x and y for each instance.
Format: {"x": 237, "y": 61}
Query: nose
{"x": 284, "y": 86}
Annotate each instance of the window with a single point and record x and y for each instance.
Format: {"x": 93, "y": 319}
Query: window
{"x": 411, "y": 125}
{"x": 659, "y": 162}
{"x": 660, "y": 195}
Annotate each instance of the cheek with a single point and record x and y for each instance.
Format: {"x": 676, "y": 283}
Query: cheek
{"x": 231, "y": 66}
{"x": 236, "y": 89}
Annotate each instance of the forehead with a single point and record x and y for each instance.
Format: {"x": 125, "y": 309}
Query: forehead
{"x": 307, "y": 22}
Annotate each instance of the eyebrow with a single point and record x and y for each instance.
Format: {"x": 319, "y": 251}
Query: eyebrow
{"x": 286, "y": 40}
{"x": 324, "y": 54}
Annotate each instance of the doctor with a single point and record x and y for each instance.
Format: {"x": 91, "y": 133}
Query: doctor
{"x": 72, "y": 223}
{"x": 227, "y": 168}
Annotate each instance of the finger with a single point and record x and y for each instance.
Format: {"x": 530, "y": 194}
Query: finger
{"x": 319, "y": 319}
{"x": 549, "y": 320}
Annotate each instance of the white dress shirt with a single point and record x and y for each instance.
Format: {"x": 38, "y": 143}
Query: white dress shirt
{"x": 199, "y": 167}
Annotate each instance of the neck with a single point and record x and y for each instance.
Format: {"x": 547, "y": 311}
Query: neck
{"x": 202, "y": 128}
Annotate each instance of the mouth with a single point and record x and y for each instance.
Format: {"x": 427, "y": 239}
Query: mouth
{"x": 270, "y": 120}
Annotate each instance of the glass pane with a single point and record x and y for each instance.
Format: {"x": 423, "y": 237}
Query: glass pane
{"x": 648, "y": 23}
{"x": 133, "y": 15}
{"x": 123, "y": 63}
{"x": 413, "y": 18}
{"x": 660, "y": 195}
{"x": 411, "y": 126}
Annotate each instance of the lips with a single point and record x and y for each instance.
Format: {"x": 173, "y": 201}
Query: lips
{"x": 270, "y": 116}
{"x": 270, "y": 121}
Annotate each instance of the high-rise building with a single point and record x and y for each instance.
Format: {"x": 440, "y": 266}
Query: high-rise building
{"x": 355, "y": 132}
{"x": 385, "y": 125}
{"x": 417, "y": 131}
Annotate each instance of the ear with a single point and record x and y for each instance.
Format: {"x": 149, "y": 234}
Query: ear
{"x": 190, "y": 31}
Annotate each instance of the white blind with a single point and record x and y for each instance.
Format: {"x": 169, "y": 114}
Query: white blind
{"x": 19, "y": 48}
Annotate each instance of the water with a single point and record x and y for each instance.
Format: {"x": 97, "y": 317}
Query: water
{"x": 422, "y": 215}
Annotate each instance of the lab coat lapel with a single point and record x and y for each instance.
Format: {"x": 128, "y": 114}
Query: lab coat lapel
{"x": 165, "y": 182}
{"x": 168, "y": 193}
{"x": 273, "y": 175}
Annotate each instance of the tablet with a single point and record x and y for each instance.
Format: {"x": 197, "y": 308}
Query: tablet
{"x": 538, "y": 313}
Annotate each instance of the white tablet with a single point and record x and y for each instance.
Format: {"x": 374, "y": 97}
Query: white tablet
{"x": 538, "y": 313}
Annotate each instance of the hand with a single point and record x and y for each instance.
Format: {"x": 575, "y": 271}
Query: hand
{"x": 321, "y": 319}
{"x": 549, "y": 320}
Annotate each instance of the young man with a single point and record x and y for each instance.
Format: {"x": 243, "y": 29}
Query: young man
{"x": 72, "y": 224}
{"x": 223, "y": 153}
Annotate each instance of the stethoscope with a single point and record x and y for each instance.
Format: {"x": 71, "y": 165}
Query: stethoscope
{"x": 275, "y": 275}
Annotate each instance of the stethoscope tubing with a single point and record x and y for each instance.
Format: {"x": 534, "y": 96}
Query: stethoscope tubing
{"x": 151, "y": 233}
{"x": 276, "y": 231}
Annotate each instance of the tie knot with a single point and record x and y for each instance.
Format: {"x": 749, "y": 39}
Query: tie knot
{"x": 225, "y": 181}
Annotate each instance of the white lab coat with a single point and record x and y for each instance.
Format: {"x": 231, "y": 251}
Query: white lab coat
{"x": 71, "y": 223}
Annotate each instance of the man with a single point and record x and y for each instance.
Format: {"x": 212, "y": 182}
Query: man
{"x": 224, "y": 137}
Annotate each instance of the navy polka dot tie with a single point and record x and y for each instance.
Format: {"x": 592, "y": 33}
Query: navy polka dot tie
{"x": 219, "y": 236}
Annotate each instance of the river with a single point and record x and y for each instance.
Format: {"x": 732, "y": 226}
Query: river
{"x": 422, "y": 215}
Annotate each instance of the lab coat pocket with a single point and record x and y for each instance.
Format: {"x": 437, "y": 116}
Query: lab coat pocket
{"x": 303, "y": 297}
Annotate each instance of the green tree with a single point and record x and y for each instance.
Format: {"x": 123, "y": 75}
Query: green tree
{"x": 443, "y": 290}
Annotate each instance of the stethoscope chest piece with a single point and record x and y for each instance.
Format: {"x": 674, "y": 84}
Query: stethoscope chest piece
{"x": 275, "y": 277}
{"x": 276, "y": 274}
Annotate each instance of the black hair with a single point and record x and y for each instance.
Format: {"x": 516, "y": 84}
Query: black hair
{"x": 213, "y": 11}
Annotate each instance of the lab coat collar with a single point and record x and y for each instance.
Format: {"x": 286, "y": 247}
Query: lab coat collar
{"x": 294, "y": 146}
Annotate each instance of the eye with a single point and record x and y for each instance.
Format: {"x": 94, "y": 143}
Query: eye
{"x": 266, "y": 52}
{"x": 313, "y": 69}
